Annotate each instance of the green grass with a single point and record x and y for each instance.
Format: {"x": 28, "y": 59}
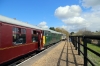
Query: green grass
{"x": 94, "y": 58}
{"x": 94, "y": 47}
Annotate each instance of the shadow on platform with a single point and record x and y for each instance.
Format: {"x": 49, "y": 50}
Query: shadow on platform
{"x": 69, "y": 56}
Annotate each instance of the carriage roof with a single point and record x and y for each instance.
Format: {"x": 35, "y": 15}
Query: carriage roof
{"x": 52, "y": 31}
{"x": 16, "y": 22}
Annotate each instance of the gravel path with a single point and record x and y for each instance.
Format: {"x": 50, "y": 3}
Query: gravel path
{"x": 62, "y": 55}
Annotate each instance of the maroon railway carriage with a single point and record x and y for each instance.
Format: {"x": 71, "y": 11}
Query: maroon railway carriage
{"x": 18, "y": 38}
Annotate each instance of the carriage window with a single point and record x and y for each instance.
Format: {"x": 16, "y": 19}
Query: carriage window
{"x": 19, "y": 35}
{"x": 23, "y": 31}
{"x": 34, "y": 36}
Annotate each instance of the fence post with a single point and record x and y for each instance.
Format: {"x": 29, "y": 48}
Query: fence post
{"x": 72, "y": 40}
{"x": 78, "y": 45}
{"x": 85, "y": 51}
{"x": 75, "y": 43}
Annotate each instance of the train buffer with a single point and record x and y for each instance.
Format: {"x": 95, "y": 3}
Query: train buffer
{"x": 62, "y": 54}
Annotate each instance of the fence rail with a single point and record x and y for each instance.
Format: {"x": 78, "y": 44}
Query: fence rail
{"x": 77, "y": 43}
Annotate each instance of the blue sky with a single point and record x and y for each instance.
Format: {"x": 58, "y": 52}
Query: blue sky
{"x": 33, "y": 11}
{"x": 37, "y": 11}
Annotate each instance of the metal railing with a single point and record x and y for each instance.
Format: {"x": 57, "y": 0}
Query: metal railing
{"x": 77, "y": 43}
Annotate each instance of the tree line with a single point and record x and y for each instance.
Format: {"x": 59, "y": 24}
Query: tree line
{"x": 85, "y": 31}
{"x": 61, "y": 30}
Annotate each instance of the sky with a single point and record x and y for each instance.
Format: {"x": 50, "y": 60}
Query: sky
{"x": 71, "y": 15}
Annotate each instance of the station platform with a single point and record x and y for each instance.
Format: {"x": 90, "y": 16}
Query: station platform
{"x": 63, "y": 54}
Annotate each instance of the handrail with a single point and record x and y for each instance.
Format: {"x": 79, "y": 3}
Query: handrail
{"x": 76, "y": 40}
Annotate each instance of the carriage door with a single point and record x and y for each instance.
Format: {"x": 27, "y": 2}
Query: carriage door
{"x": 39, "y": 40}
{"x": 36, "y": 37}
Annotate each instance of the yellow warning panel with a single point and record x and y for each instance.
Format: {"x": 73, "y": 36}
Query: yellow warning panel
{"x": 43, "y": 40}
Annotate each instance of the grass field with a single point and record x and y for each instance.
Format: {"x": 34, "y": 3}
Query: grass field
{"x": 95, "y": 59}
{"x": 94, "y": 47}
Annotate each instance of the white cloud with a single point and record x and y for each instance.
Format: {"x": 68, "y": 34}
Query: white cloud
{"x": 65, "y": 27}
{"x": 71, "y": 16}
{"x": 90, "y": 3}
{"x": 43, "y": 24}
{"x": 93, "y": 19}
{"x": 67, "y": 11}
{"x": 94, "y": 4}
{"x": 71, "y": 28}
{"x": 76, "y": 19}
